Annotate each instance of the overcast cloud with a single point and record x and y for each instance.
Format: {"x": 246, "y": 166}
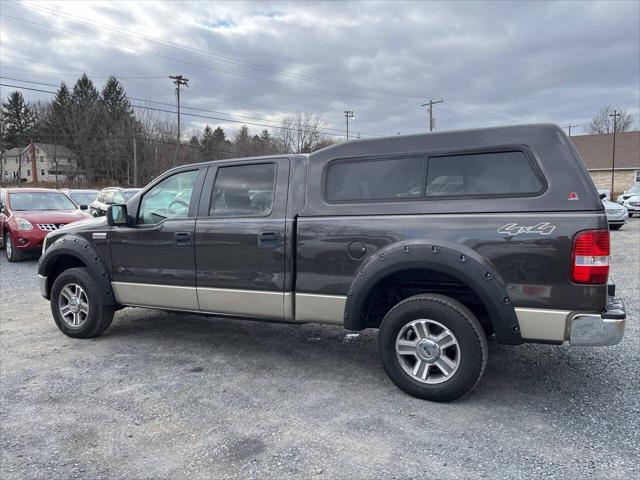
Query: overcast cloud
{"x": 492, "y": 63}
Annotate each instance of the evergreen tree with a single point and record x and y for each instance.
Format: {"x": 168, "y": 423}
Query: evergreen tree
{"x": 115, "y": 100}
{"x": 84, "y": 92}
{"x": 18, "y": 121}
{"x": 242, "y": 142}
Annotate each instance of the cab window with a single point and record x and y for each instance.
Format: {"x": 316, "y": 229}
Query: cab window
{"x": 243, "y": 191}
{"x": 168, "y": 199}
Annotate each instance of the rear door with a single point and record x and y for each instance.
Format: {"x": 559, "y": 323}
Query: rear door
{"x": 240, "y": 239}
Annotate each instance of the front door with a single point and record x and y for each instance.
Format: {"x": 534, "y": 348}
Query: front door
{"x": 153, "y": 262}
{"x": 240, "y": 239}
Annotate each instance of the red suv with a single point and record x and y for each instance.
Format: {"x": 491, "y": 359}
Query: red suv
{"x": 28, "y": 214}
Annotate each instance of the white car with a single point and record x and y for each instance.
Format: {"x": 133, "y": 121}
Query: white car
{"x": 632, "y": 204}
{"x": 617, "y": 215}
{"x": 633, "y": 191}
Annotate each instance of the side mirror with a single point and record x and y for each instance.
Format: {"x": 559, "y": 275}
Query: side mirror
{"x": 603, "y": 196}
{"x": 84, "y": 207}
{"x": 117, "y": 215}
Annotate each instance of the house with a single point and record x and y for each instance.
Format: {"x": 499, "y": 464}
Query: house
{"x": 44, "y": 162}
{"x": 597, "y": 153}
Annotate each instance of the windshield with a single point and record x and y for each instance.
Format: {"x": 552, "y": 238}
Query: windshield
{"x": 21, "y": 201}
{"x": 128, "y": 194}
{"x": 635, "y": 190}
{"x": 83, "y": 198}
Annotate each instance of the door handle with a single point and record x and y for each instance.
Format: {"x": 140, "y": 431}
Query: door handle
{"x": 183, "y": 239}
{"x": 268, "y": 239}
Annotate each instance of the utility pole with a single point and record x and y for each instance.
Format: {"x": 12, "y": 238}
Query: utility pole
{"x": 615, "y": 116}
{"x": 430, "y": 104}
{"x": 569, "y": 127}
{"x": 135, "y": 159}
{"x": 179, "y": 80}
{"x": 347, "y": 115}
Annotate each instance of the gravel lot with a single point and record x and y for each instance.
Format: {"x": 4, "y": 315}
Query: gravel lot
{"x": 161, "y": 395}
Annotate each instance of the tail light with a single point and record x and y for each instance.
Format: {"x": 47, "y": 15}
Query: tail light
{"x": 590, "y": 257}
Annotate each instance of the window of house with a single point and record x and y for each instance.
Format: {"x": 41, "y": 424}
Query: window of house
{"x": 42, "y": 171}
{"x": 373, "y": 179}
{"x": 243, "y": 191}
{"x": 28, "y": 173}
{"x": 168, "y": 199}
{"x": 495, "y": 173}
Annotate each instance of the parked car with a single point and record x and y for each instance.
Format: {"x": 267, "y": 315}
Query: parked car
{"x": 606, "y": 192}
{"x": 28, "y": 214}
{"x": 82, "y": 198}
{"x": 632, "y": 204}
{"x": 363, "y": 235}
{"x": 110, "y": 196}
{"x": 617, "y": 214}
{"x": 630, "y": 192}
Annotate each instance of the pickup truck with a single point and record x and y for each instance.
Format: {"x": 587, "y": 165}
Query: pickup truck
{"x": 438, "y": 240}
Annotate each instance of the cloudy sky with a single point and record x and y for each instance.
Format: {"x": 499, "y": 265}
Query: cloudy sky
{"x": 493, "y": 63}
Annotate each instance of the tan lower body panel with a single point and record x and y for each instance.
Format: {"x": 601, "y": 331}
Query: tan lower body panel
{"x": 298, "y": 307}
{"x": 542, "y": 324}
{"x": 160, "y": 296}
{"x": 246, "y": 303}
{"x": 319, "y": 308}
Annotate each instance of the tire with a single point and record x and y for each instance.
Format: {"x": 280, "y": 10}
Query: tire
{"x": 92, "y": 317}
{"x": 448, "y": 319}
{"x": 630, "y": 214}
{"x": 10, "y": 251}
{"x": 615, "y": 227}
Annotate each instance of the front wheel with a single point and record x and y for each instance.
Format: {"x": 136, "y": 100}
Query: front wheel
{"x": 630, "y": 214}
{"x": 78, "y": 305}
{"x": 615, "y": 227}
{"x": 433, "y": 347}
{"x": 10, "y": 251}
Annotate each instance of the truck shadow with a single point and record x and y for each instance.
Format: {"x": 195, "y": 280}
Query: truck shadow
{"x": 515, "y": 375}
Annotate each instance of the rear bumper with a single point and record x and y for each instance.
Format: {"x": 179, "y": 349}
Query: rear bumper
{"x": 603, "y": 329}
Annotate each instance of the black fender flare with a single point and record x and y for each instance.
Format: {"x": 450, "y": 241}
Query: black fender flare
{"x": 83, "y": 250}
{"x": 456, "y": 260}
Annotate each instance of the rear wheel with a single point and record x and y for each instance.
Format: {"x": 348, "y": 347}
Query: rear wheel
{"x": 78, "y": 305}
{"x": 10, "y": 251}
{"x": 433, "y": 347}
{"x": 630, "y": 214}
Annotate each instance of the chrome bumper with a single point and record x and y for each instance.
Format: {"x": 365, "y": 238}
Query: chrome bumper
{"x": 604, "y": 329}
{"x": 42, "y": 282}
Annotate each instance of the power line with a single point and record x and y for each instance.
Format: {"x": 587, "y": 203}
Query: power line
{"x": 326, "y": 129}
{"x": 210, "y": 54}
{"x": 205, "y": 67}
{"x": 324, "y": 132}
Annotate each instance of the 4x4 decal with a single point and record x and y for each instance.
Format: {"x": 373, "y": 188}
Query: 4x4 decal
{"x": 512, "y": 229}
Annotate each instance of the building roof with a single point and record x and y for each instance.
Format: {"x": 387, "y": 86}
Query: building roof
{"x": 60, "y": 151}
{"x": 596, "y": 150}
{"x": 57, "y": 150}
{"x": 13, "y": 152}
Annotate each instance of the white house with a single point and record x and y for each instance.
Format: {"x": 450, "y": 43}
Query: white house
{"x": 38, "y": 162}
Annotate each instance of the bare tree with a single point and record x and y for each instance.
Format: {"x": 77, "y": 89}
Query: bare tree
{"x": 300, "y": 133}
{"x": 602, "y": 122}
